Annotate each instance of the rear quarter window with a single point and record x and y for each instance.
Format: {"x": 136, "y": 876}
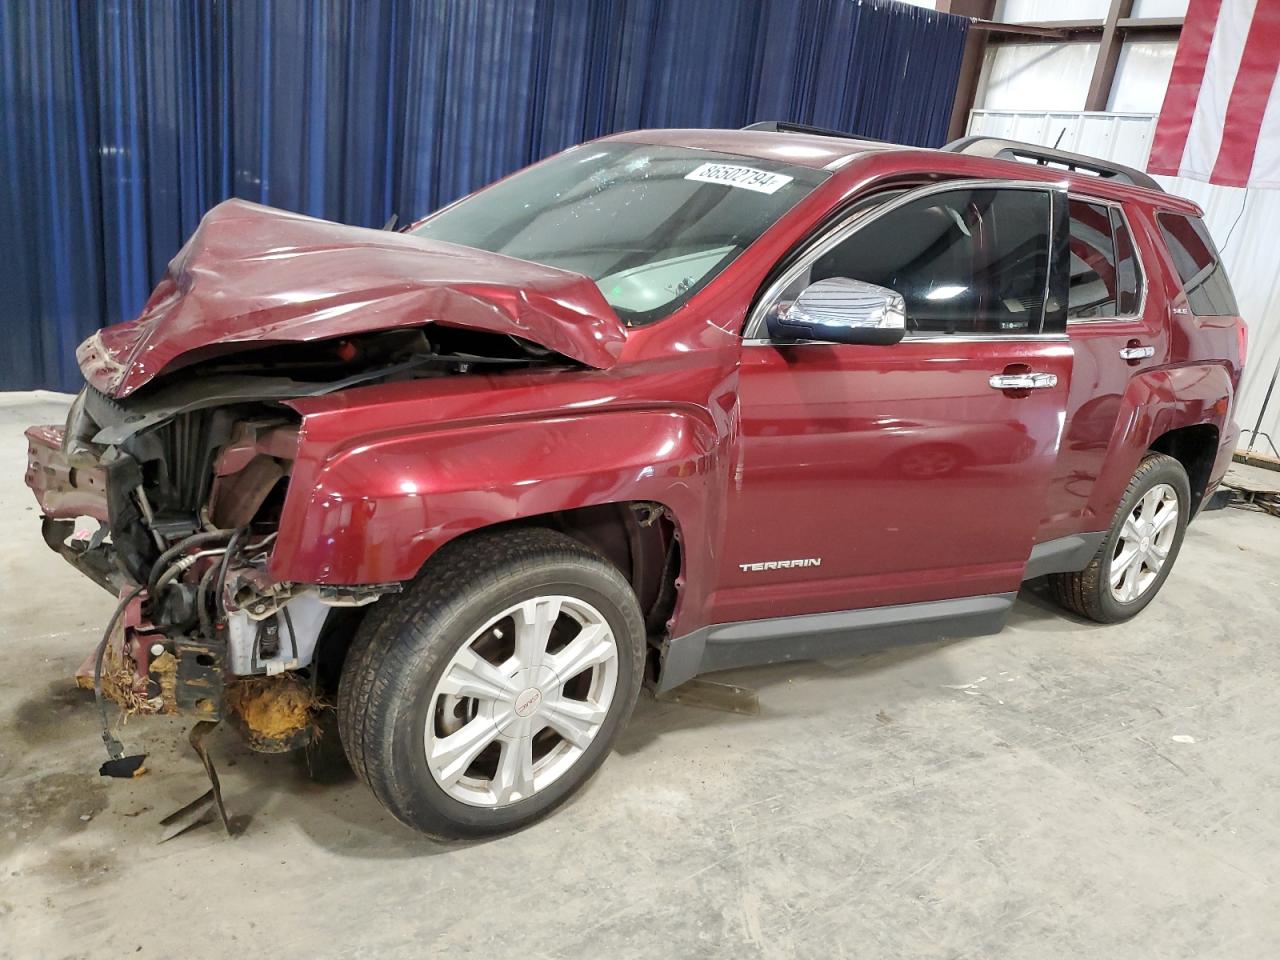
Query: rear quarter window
{"x": 1204, "y": 280}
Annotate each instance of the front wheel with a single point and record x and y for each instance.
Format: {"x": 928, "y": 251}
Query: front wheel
{"x": 489, "y": 692}
{"x": 1141, "y": 545}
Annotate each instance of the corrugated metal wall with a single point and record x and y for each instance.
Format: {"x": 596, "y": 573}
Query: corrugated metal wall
{"x": 123, "y": 122}
{"x": 1242, "y": 223}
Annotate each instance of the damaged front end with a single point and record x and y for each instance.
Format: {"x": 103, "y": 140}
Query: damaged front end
{"x": 166, "y": 483}
{"x": 171, "y": 499}
{"x": 178, "y": 516}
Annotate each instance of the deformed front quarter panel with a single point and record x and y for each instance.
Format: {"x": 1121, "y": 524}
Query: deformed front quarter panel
{"x": 371, "y": 507}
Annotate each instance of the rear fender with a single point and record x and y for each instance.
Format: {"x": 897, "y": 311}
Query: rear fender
{"x": 1153, "y": 404}
{"x": 374, "y": 509}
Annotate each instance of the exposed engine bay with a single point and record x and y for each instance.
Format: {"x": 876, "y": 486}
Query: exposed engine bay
{"x": 171, "y": 500}
{"x": 169, "y": 481}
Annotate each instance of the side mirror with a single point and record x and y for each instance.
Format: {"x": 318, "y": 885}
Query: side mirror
{"x": 840, "y": 310}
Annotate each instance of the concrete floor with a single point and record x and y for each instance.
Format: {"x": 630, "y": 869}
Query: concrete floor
{"x": 1059, "y": 790}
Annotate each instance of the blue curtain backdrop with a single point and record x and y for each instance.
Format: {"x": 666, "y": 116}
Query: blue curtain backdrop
{"x": 125, "y": 120}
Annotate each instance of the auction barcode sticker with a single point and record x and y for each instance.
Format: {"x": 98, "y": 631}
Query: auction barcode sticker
{"x": 748, "y": 178}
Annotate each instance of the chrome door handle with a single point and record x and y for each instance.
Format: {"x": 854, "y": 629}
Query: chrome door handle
{"x": 1137, "y": 353}
{"x": 1023, "y": 381}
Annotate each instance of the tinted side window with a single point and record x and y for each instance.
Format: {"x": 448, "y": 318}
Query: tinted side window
{"x": 1128, "y": 273}
{"x": 1093, "y": 262}
{"x": 1203, "y": 277}
{"x": 965, "y": 261}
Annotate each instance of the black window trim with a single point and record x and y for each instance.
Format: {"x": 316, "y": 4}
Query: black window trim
{"x": 1137, "y": 259}
{"x": 755, "y": 333}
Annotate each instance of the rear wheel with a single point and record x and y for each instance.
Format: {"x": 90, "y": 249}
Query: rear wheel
{"x": 492, "y": 689}
{"x": 1141, "y": 545}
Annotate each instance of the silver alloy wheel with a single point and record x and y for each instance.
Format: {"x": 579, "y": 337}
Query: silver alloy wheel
{"x": 1144, "y": 544}
{"x": 521, "y": 701}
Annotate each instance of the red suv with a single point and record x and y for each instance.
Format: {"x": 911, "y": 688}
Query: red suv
{"x": 666, "y": 403}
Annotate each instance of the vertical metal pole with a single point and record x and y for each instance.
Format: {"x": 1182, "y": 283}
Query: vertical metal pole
{"x": 1266, "y": 401}
{"x": 1104, "y": 69}
{"x": 975, "y": 47}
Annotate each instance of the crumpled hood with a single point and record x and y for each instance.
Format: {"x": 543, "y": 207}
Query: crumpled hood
{"x": 252, "y": 276}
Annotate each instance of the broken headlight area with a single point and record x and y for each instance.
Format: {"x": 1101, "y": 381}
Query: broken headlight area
{"x": 210, "y": 446}
{"x": 206, "y": 632}
{"x": 173, "y": 498}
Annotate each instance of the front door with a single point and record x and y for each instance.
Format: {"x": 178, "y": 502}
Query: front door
{"x": 875, "y": 475}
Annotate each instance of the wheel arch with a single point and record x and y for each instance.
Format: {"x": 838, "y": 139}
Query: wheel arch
{"x": 641, "y": 538}
{"x": 1174, "y": 410}
{"x": 1195, "y": 447}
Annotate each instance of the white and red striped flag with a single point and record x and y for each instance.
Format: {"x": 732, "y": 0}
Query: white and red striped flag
{"x": 1221, "y": 116}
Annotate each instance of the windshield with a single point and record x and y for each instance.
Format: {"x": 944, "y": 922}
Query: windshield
{"x": 651, "y": 225}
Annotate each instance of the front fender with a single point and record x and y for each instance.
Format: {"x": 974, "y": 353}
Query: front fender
{"x": 373, "y": 510}
{"x": 1154, "y": 403}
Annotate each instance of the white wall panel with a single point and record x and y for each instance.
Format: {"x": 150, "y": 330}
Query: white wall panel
{"x": 1159, "y": 8}
{"x": 1029, "y": 11}
{"x": 1111, "y": 137}
{"x": 1036, "y": 76}
{"x": 1142, "y": 76}
{"x": 1250, "y": 251}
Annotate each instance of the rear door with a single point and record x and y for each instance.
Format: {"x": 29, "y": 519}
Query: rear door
{"x": 875, "y": 475}
{"x": 1117, "y": 333}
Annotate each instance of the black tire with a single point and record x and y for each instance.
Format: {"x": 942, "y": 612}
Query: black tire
{"x": 1088, "y": 592}
{"x": 406, "y": 642}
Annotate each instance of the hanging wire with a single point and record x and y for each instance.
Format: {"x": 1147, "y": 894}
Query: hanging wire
{"x": 1244, "y": 203}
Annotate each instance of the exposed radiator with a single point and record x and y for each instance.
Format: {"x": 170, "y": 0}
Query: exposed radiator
{"x": 186, "y": 461}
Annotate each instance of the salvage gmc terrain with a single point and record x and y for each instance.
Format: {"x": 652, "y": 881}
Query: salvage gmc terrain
{"x": 666, "y": 403}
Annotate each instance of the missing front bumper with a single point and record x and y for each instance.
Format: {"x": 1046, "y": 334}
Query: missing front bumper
{"x": 145, "y": 672}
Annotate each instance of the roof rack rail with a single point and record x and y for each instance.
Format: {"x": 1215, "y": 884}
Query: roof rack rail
{"x": 999, "y": 149}
{"x": 783, "y": 126}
